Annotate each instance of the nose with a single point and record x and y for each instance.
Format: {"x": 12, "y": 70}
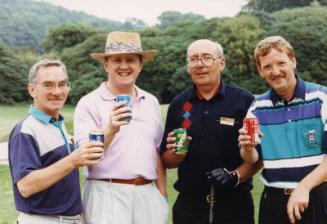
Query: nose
{"x": 123, "y": 65}
{"x": 56, "y": 90}
{"x": 275, "y": 71}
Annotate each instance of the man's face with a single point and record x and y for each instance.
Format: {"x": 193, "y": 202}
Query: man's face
{"x": 123, "y": 69}
{"x": 278, "y": 71}
{"x": 201, "y": 74}
{"x": 50, "y": 90}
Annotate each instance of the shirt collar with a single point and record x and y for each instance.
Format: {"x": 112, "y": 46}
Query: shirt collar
{"x": 105, "y": 94}
{"x": 45, "y": 118}
{"x": 299, "y": 91}
{"x": 220, "y": 93}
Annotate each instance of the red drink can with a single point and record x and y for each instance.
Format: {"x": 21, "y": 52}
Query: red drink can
{"x": 252, "y": 127}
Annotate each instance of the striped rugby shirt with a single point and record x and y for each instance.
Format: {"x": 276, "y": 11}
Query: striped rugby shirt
{"x": 295, "y": 133}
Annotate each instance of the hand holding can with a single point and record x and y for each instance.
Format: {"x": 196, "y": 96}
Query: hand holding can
{"x": 97, "y": 135}
{"x": 126, "y": 98}
{"x": 181, "y": 141}
{"x": 252, "y": 127}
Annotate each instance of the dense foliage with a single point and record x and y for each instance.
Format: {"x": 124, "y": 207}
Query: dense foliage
{"x": 305, "y": 28}
{"x": 25, "y": 23}
{"x": 15, "y": 73}
{"x": 276, "y": 5}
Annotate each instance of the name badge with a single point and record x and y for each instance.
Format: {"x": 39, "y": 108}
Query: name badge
{"x": 227, "y": 121}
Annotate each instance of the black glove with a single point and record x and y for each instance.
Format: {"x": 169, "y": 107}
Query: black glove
{"x": 221, "y": 177}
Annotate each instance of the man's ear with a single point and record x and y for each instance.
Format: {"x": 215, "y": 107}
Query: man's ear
{"x": 222, "y": 63}
{"x": 106, "y": 66}
{"x": 31, "y": 90}
{"x": 260, "y": 71}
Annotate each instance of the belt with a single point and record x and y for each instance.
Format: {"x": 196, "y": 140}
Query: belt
{"x": 280, "y": 191}
{"x": 136, "y": 181}
{"x": 67, "y": 219}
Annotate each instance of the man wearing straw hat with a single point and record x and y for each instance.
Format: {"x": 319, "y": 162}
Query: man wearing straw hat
{"x": 129, "y": 184}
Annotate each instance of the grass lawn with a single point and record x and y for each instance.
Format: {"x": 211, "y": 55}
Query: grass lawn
{"x": 9, "y": 115}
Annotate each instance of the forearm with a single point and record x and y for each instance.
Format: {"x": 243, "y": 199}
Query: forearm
{"x": 41, "y": 179}
{"x": 249, "y": 155}
{"x": 248, "y": 170}
{"x": 108, "y": 137}
{"x": 316, "y": 177}
{"x": 162, "y": 176}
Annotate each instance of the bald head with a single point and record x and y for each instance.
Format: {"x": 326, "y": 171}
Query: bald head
{"x": 206, "y": 45}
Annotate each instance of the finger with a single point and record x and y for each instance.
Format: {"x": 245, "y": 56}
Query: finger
{"x": 171, "y": 146}
{"x": 260, "y": 134}
{"x": 118, "y": 105}
{"x": 171, "y": 140}
{"x": 301, "y": 208}
{"x": 119, "y": 117}
{"x": 297, "y": 213}
{"x": 242, "y": 131}
{"x": 171, "y": 134}
{"x": 290, "y": 213}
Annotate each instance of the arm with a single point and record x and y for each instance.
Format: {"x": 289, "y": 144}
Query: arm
{"x": 162, "y": 176}
{"x": 41, "y": 179}
{"x": 299, "y": 199}
{"x": 247, "y": 170}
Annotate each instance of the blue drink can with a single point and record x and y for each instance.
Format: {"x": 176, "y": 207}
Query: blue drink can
{"x": 98, "y": 136}
{"x": 126, "y": 98}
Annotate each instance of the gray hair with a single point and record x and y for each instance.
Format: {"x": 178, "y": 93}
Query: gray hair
{"x": 42, "y": 64}
{"x": 216, "y": 45}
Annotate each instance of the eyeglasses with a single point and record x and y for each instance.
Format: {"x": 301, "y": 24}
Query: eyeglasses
{"x": 50, "y": 86}
{"x": 206, "y": 60}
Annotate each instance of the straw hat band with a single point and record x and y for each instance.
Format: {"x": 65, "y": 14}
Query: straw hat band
{"x": 122, "y": 47}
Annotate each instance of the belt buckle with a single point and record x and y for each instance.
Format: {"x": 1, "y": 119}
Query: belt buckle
{"x": 288, "y": 191}
{"x": 138, "y": 181}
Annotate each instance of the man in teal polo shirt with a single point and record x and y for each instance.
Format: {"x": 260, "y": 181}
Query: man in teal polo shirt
{"x": 292, "y": 117}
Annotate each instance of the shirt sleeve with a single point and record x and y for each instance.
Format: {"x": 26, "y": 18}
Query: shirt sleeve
{"x": 24, "y": 156}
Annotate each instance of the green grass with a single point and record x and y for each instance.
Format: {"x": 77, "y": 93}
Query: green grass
{"x": 9, "y": 115}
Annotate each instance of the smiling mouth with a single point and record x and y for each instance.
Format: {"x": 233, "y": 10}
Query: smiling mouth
{"x": 124, "y": 74}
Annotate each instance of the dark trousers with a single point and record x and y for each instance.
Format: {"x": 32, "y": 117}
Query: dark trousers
{"x": 230, "y": 208}
{"x": 273, "y": 207}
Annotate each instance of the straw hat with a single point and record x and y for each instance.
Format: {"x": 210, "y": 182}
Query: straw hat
{"x": 124, "y": 43}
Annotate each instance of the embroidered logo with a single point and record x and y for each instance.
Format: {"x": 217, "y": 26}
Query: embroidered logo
{"x": 311, "y": 137}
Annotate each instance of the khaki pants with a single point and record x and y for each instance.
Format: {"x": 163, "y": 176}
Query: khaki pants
{"x": 24, "y": 218}
{"x": 114, "y": 203}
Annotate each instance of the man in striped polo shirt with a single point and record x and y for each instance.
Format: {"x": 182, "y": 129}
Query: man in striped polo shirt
{"x": 292, "y": 118}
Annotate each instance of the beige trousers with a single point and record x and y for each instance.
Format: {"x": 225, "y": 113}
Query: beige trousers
{"x": 114, "y": 203}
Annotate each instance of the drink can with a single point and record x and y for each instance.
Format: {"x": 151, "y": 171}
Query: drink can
{"x": 181, "y": 141}
{"x": 97, "y": 135}
{"x": 126, "y": 98}
{"x": 252, "y": 127}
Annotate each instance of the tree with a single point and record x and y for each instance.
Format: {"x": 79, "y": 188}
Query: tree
{"x": 84, "y": 72}
{"x": 239, "y": 36}
{"x": 65, "y": 36}
{"x": 14, "y": 74}
{"x": 170, "y": 17}
{"x": 274, "y": 5}
{"x": 306, "y": 30}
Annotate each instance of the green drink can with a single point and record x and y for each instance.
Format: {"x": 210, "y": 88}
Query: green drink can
{"x": 181, "y": 141}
